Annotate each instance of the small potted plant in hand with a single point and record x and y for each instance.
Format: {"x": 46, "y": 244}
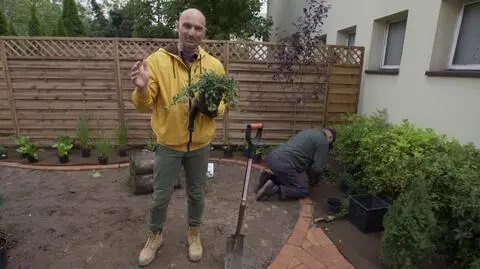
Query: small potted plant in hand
{"x": 122, "y": 140}
{"x": 103, "y": 148}
{"x": 63, "y": 145}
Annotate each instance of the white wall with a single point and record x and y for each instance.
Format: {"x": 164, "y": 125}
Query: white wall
{"x": 284, "y": 13}
{"x": 450, "y": 105}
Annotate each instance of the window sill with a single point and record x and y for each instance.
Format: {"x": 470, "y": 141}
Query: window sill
{"x": 454, "y": 73}
{"x": 391, "y": 72}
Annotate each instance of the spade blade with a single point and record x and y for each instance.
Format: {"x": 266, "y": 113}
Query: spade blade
{"x": 234, "y": 255}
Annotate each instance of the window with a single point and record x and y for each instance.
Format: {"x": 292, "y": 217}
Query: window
{"x": 466, "y": 46}
{"x": 351, "y": 39}
{"x": 322, "y": 39}
{"x": 393, "y": 44}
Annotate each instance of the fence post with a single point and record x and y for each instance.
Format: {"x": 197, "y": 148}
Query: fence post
{"x": 8, "y": 82}
{"x": 118, "y": 80}
{"x": 225, "y": 115}
{"x": 330, "y": 62}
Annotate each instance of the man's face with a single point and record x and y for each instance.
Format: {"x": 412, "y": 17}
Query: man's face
{"x": 191, "y": 30}
{"x": 328, "y": 135}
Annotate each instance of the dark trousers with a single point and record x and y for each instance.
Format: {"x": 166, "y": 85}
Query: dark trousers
{"x": 292, "y": 184}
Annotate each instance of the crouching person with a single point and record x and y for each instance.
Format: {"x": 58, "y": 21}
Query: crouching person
{"x": 294, "y": 164}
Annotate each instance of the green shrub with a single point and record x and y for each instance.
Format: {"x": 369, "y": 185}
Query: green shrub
{"x": 410, "y": 225}
{"x": 440, "y": 213}
{"x": 390, "y": 158}
{"x": 350, "y": 137}
{"x": 456, "y": 195}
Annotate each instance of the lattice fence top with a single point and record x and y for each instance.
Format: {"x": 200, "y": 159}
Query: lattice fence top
{"x": 134, "y": 49}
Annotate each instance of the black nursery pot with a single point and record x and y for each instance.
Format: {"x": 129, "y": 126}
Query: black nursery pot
{"x": 85, "y": 152}
{"x": 333, "y": 205}
{"x": 102, "y": 159}
{"x": 122, "y": 152}
{"x": 63, "y": 159}
{"x": 3, "y": 252}
{"x": 257, "y": 157}
{"x": 31, "y": 159}
{"x": 228, "y": 152}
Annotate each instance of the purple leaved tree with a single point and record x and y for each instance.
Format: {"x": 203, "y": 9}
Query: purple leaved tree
{"x": 302, "y": 50}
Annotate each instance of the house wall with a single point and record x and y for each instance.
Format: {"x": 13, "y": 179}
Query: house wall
{"x": 284, "y": 13}
{"x": 440, "y": 100}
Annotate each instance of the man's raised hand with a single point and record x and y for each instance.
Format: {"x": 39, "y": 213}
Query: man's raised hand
{"x": 139, "y": 74}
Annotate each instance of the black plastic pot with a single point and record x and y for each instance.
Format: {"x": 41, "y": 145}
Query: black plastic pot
{"x": 366, "y": 212}
{"x": 85, "y": 152}
{"x": 102, "y": 159}
{"x": 63, "y": 159}
{"x": 333, "y": 205}
{"x": 3, "y": 252}
{"x": 257, "y": 158}
{"x": 122, "y": 152}
{"x": 31, "y": 159}
{"x": 228, "y": 152}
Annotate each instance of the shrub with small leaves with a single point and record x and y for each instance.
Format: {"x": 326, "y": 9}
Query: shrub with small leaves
{"x": 410, "y": 225}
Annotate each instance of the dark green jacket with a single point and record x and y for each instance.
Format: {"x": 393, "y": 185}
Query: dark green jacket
{"x": 306, "y": 151}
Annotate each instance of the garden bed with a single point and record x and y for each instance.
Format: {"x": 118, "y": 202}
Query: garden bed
{"x": 77, "y": 220}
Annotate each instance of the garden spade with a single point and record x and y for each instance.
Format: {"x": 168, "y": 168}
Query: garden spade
{"x": 234, "y": 254}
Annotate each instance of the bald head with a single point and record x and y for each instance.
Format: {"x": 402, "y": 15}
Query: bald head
{"x": 193, "y": 14}
{"x": 191, "y": 30}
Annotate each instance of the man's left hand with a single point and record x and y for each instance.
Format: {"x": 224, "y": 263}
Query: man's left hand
{"x": 203, "y": 107}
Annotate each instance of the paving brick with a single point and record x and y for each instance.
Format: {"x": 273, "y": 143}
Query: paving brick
{"x": 299, "y": 232}
{"x": 327, "y": 255}
{"x": 342, "y": 265}
{"x": 301, "y": 266}
{"x": 294, "y": 264}
{"x": 285, "y": 256}
{"x": 309, "y": 261}
{"x": 317, "y": 237}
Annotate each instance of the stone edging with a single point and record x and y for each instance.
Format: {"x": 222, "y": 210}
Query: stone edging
{"x": 306, "y": 247}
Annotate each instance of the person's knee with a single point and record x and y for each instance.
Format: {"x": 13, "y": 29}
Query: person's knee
{"x": 160, "y": 199}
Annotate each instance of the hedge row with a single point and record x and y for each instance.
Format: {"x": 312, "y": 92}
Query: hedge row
{"x": 432, "y": 182}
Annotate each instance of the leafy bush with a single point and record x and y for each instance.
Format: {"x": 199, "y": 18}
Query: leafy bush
{"x": 436, "y": 214}
{"x": 390, "y": 158}
{"x": 409, "y": 228}
{"x": 351, "y": 136}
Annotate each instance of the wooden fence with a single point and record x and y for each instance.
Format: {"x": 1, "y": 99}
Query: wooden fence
{"x": 45, "y": 83}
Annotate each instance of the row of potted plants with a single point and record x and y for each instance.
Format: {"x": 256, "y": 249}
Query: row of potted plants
{"x": 259, "y": 153}
{"x": 64, "y": 144}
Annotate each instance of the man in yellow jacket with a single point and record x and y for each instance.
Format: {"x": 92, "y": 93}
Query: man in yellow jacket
{"x": 157, "y": 80}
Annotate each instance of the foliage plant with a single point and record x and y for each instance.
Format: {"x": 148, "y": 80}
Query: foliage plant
{"x": 213, "y": 86}
{"x": 27, "y": 148}
{"x": 103, "y": 147}
{"x": 63, "y": 145}
{"x": 410, "y": 224}
{"x": 301, "y": 50}
{"x": 433, "y": 183}
{"x": 122, "y": 136}
{"x": 83, "y": 132}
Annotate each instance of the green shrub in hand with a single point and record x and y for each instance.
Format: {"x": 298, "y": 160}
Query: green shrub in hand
{"x": 211, "y": 88}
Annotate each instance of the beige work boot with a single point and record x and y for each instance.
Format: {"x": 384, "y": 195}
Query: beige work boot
{"x": 154, "y": 242}
{"x": 195, "y": 249}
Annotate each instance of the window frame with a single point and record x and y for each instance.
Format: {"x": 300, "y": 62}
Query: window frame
{"x": 455, "y": 41}
{"x": 385, "y": 42}
{"x": 347, "y": 35}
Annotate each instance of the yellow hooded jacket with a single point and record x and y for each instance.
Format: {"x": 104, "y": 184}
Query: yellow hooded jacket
{"x": 168, "y": 76}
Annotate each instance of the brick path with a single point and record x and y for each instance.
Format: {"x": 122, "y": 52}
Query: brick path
{"x": 308, "y": 247}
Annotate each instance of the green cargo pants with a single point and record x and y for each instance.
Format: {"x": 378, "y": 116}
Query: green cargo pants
{"x": 167, "y": 168}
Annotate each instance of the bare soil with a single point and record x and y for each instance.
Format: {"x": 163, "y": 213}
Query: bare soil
{"x": 59, "y": 220}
